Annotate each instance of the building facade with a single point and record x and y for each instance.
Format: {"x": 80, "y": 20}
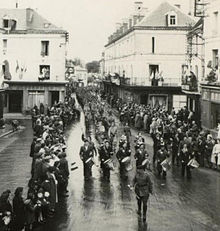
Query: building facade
{"x": 210, "y": 100}
{"x": 148, "y": 51}
{"x": 33, "y": 60}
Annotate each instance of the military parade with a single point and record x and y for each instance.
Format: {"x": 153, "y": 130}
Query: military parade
{"x": 109, "y": 115}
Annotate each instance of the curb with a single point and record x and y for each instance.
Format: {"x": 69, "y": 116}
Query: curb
{"x": 7, "y": 133}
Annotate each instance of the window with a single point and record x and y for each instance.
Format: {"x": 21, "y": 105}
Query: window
{"x": 6, "y": 23}
{"x": 154, "y": 73}
{"x": 44, "y": 72}
{"x": 172, "y": 19}
{"x": 153, "y": 45}
{"x": 3, "y": 69}
{"x": 35, "y": 98}
{"x": 44, "y": 48}
{"x": 5, "y": 43}
{"x": 215, "y": 58}
{"x": 215, "y": 24}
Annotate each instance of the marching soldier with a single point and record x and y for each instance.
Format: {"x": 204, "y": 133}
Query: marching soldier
{"x": 123, "y": 154}
{"x": 112, "y": 132}
{"x": 86, "y": 155}
{"x": 141, "y": 155}
{"x": 143, "y": 187}
{"x": 105, "y": 155}
{"x": 139, "y": 140}
{"x": 162, "y": 154}
{"x": 185, "y": 157}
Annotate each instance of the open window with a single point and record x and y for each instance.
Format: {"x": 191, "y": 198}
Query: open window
{"x": 44, "y": 72}
{"x": 154, "y": 73}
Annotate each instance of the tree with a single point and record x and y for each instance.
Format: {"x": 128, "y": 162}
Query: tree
{"x": 93, "y": 67}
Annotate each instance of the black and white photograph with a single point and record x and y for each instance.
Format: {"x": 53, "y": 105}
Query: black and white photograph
{"x": 109, "y": 115}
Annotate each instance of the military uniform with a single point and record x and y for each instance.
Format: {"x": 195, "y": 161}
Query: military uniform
{"x": 143, "y": 187}
{"x": 161, "y": 156}
{"x": 85, "y": 153}
{"x": 121, "y": 154}
{"x": 105, "y": 154}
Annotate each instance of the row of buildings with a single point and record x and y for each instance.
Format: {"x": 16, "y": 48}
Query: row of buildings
{"x": 166, "y": 57}
{"x": 32, "y": 58}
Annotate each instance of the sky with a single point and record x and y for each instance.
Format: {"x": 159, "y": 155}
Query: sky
{"x": 89, "y": 22}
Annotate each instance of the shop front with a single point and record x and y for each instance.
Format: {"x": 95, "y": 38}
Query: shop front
{"x": 21, "y": 97}
{"x": 210, "y": 106}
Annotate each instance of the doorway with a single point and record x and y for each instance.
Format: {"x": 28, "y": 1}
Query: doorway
{"x": 54, "y": 97}
{"x": 15, "y": 101}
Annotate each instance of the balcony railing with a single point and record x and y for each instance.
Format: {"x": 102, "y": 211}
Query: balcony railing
{"x": 190, "y": 85}
{"x": 172, "y": 82}
{"x": 136, "y": 81}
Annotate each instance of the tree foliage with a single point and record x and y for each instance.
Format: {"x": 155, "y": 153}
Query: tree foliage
{"x": 93, "y": 67}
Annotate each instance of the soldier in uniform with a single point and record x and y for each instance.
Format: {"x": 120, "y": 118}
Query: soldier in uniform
{"x": 140, "y": 155}
{"x": 162, "y": 154}
{"x": 143, "y": 187}
{"x": 124, "y": 151}
{"x": 105, "y": 153}
{"x": 85, "y": 153}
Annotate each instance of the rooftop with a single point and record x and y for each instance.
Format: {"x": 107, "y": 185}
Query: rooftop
{"x": 28, "y": 21}
{"x": 157, "y": 17}
{"x": 155, "y": 20}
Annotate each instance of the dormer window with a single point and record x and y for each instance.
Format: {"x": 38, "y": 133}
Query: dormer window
{"x": 171, "y": 18}
{"x": 5, "y": 23}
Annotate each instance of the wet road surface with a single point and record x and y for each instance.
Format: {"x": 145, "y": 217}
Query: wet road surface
{"x": 177, "y": 204}
{"x": 15, "y": 163}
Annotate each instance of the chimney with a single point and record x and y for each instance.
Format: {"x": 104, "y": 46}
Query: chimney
{"x": 135, "y": 20}
{"x": 117, "y": 26}
{"x": 125, "y": 24}
{"x": 130, "y": 24}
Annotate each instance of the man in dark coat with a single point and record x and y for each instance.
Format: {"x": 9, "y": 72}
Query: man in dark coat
{"x": 86, "y": 152}
{"x": 161, "y": 156}
{"x": 124, "y": 151}
{"x": 143, "y": 187}
{"x": 64, "y": 171}
{"x": 18, "y": 209}
{"x": 105, "y": 154}
{"x": 185, "y": 157}
{"x": 140, "y": 155}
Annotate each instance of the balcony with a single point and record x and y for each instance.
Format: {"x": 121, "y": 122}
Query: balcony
{"x": 190, "y": 84}
{"x": 167, "y": 82}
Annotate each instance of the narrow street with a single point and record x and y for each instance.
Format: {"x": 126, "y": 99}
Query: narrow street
{"x": 177, "y": 204}
{"x": 15, "y": 164}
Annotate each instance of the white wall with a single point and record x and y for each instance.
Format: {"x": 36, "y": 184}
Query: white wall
{"x": 133, "y": 53}
{"x": 212, "y": 32}
{"x": 26, "y": 51}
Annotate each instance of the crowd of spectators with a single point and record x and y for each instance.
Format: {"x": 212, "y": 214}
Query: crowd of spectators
{"x": 49, "y": 170}
{"x": 175, "y": 130}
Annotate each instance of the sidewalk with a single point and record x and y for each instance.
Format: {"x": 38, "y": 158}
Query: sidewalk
{"x": 18, "y": 116}
{"x": 5, "y": 131}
